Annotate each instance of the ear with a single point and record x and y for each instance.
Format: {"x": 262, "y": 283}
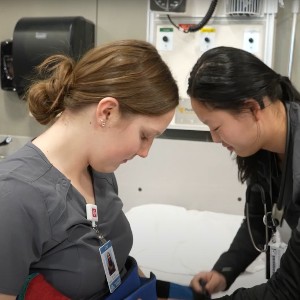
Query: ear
{"x": 106, "y": 107}
{"x": 254, "y": 108}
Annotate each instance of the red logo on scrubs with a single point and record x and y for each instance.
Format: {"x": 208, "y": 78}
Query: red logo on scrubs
{"x": 94, "y": 212}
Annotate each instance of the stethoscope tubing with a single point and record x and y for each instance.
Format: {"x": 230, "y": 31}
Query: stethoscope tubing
{"x": 263, "y": 199}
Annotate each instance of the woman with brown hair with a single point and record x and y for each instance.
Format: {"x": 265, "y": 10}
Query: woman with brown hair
{"x": 103, "y": 110}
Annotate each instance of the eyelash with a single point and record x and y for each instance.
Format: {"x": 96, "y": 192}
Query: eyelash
{"x": 216, "y": 129}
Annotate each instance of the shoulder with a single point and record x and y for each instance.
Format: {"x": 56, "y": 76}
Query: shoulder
{"x": 294, "y": 113}
{"x": 29, "y": 181}
{"x": 27, "y": 164}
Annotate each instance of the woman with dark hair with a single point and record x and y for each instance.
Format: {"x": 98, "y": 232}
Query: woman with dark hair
{"x": 255, "y": 113}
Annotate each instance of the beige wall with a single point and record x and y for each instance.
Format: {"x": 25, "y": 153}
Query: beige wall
{"x": 114, "y": 19}
{"x": 283, "y": 38}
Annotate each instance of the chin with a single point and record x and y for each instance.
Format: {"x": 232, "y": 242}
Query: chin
{"x": 244, "y": 154}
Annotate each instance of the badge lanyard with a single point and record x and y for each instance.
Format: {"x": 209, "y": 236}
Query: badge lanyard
{"x": 106, "y": 251}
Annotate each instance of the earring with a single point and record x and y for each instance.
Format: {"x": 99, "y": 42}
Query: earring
{"x": 103, "y": 123}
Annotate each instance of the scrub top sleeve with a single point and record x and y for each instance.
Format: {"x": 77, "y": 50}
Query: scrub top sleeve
{"x": 239, "y": 256}
{"x": 242, "y": 252}
{"x": 24, "y": 226}
{"x": 285, "y": 282}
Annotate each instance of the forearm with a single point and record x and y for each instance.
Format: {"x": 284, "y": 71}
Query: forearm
{"x": 240, "y": 254}
{"x": 284, "y": 284}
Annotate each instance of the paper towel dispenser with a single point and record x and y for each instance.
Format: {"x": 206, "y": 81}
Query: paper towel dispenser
{"x": 7, "y": 72}
{"x": 36, "y": 38}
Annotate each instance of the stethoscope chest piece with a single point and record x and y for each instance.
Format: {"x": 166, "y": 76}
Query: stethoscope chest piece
{"x": 277, "y": 215}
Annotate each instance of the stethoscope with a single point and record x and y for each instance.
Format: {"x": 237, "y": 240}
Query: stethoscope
{"x": 268, "y": 220}
{"x": 273, "y": 218}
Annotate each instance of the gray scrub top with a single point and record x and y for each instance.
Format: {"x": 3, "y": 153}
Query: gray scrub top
{"x": 43, "y": 227}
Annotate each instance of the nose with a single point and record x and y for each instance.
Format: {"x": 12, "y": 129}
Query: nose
{"x": 143, "y": 152}
{"x": 215, "y": 137}
{"x": 144, "y": 149}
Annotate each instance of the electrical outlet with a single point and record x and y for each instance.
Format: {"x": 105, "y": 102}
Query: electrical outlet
{"x": 207, "y": 38}
{"x": 251, "y": 41}
{"x": 164, "y": 40}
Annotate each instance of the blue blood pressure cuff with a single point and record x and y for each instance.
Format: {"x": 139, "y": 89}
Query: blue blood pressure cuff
{"x": 172, "y": 290}
{"x": 133, "y": 286}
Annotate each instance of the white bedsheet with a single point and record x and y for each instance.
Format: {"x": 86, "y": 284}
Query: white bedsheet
{"x": 175, "y": 243}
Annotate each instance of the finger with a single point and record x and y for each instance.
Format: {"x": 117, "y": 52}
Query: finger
{"x": 214, "y": 285}
{"x": 195, "y": 283}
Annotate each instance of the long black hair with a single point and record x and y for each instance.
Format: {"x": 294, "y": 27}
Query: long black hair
{"x": 226, "y": 77}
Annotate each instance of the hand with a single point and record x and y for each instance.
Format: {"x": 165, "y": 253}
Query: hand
{"x": 141, "y": 273}
{"x": 215, "y": 282}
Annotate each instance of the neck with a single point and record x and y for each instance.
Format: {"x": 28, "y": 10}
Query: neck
{"x": 64, "y": 145}
{"x": 276, "y": 135}
{"x": 65, "y": 148}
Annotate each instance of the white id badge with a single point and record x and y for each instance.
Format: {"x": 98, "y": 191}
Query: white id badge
{"x": 276, "y": 251}
{"x": 91, "y": 212}
{"x": 110, "y": 266}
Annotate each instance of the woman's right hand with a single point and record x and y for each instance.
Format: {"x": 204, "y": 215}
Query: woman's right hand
{"x": 215, "y": 282}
